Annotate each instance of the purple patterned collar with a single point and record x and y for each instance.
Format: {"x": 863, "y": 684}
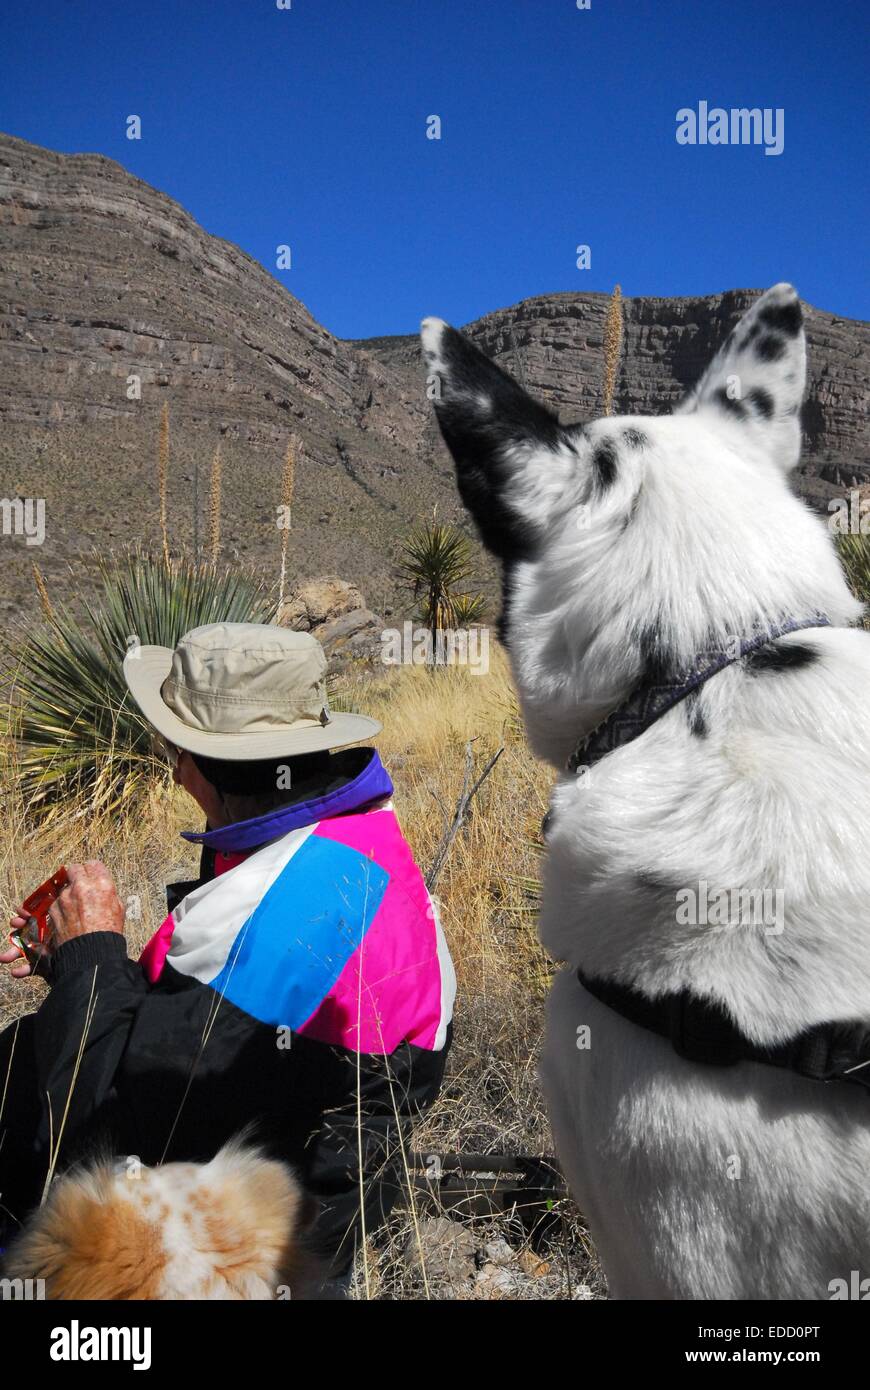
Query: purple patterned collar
{"x": 649, "y": 701}
{"x": 368, "y": 782}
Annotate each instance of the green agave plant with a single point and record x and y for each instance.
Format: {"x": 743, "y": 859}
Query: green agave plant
{"x": 437, "y": 558}
{"x": 77, "y": 740}
{"x": 468, "y": 609}
{"x": 854, "y": 552}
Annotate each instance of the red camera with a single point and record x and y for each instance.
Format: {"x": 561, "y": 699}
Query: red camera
{"x": 31, "y": 940}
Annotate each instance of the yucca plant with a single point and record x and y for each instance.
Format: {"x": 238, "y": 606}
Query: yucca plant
{"x": 468, "y": 609}
{"x": 854, "y": 552}
{"x": 78, "y": 742}
{"x": 437, "y": 559}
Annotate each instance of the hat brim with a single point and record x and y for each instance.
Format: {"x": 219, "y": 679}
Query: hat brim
{"x": 145, "y": 670}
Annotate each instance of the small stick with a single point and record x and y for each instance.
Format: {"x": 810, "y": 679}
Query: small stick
{"x": 466, "y": 796}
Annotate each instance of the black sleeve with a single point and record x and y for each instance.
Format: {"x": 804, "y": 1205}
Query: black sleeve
{"x": 67, "y": 1051}
{"x": 81, "y": 1030}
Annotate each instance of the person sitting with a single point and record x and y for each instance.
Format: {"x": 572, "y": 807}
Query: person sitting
{"x": 300, "y": 988}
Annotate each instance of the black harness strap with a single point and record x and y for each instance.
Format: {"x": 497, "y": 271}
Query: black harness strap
{"x": 649, "y": 701}
{"x": 700, "y": 1030}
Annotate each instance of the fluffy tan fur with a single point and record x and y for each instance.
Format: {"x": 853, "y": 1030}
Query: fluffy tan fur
{"x": 233, "y": 1228}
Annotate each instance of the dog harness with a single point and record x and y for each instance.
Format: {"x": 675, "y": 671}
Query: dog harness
{"x": 649, "y": 701}
{"x": 700, "y": 1030}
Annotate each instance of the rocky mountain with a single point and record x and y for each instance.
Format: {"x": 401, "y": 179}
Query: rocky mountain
{"x": 107, "y": 284}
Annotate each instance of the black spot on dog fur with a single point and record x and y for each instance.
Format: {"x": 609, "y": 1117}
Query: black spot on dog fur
{"x": 785, "y": 317}
{"x": 762, "y": 401}
{"x": 502, "y": 531}
{"x": 770, "y": 348}
{"x": 750, "y": 337}
{"x": 776, "y": 657}
{"x": 604, "y": 464}
{"x": 659, "y": 663}
{"x": 480, "y": 438}
{"x": 652, "y": 881}
{"x": 501, "y": 627}
{"x": 734, "y": 407}
{"x": 635, "y": 439}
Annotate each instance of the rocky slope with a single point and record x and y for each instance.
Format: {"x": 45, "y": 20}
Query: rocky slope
{"x": 103, "y": 278}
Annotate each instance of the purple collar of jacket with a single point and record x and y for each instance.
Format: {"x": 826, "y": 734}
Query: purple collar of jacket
{"x": 365, "y": 788}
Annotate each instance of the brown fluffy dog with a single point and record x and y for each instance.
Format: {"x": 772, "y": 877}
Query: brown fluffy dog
{"x": 233, "y": 1228}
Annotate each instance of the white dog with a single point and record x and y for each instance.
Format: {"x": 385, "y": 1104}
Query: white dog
{"x": 635, "y": 551}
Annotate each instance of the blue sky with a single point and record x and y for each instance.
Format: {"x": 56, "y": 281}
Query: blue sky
{"x": 307, "y": 127}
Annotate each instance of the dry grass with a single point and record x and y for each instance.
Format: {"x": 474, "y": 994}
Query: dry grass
{"x": 490, "y": 1101}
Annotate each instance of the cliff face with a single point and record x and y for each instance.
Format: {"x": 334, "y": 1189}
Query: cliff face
{"x": 104, "y": 279}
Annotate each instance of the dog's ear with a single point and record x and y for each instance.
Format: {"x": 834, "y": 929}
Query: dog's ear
{"x": 512, "y": 457}
{"x": 757, "y": 378}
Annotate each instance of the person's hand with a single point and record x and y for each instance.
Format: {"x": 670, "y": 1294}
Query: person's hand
{"x": 21, "y": 966}
{"x": 89, "y": 903}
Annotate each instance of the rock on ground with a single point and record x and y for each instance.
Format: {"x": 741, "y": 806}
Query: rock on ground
{"x": 334, "y": 612}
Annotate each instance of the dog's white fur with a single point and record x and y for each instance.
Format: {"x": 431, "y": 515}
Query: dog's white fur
{"x": 697, "y": 1181}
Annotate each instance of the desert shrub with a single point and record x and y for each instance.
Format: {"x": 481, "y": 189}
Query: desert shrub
{"x": 77, "y": 742}
{"x": 437, "y": 558}
{"x": 854, "y": 552}
{"x": 468, "y": 609}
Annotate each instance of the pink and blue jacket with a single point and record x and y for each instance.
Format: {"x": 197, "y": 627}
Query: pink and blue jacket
{"x": 318, "y": 921}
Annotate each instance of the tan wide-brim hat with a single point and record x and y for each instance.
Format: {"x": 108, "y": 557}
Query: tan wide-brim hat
{"x": 241, "y": 692}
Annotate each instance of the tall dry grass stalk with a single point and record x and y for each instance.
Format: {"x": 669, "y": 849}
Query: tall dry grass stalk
{"x": 163, "y": 476}
{"x": 612, "y": 346}
{"x": 55, "y": 1141}
{"x": 44, "y": 598}
{"x": 288, "y": 481}
{"x": 214, "y": 507}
